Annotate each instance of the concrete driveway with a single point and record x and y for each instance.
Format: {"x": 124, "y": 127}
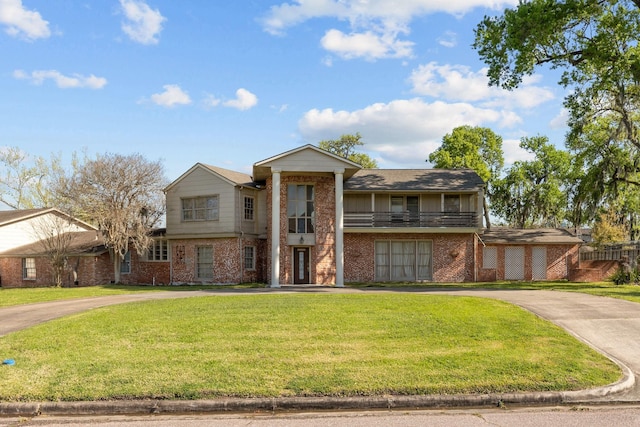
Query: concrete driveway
{"x": 611, "y": 326}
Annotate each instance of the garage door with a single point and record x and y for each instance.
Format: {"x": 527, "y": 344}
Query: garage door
{"x": 514, "y": 263}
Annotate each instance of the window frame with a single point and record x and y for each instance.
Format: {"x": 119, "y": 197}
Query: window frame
{"x": 158, "y": 251}
{"x": 126, "y": 262}
{"x": 201, "y": 264}
{"x": 299, "y": 220}
{"x": 29, "y": 272}
{"x": 250, "y": 266}
{"x": 249, "y": 211}
{"x": 194, "y": 209}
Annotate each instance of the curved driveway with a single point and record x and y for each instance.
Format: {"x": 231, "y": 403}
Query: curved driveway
{"x": 611, "y": 326}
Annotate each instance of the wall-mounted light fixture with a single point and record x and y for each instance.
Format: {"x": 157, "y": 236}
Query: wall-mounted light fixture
{"x": 302, "y": 240}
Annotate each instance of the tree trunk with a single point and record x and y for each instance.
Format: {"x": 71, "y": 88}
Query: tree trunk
{"x": 485, "y": 208}
{"x": 117, "y": 262}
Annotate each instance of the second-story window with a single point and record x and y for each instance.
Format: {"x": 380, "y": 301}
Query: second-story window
{"x": 451, "y": 203}
{"x": 200, "y": 209}
{"x": 300, "y": 208}
{"x": 248, "y": 208}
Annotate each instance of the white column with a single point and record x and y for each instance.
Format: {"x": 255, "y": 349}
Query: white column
{"x": 275, "y": 228}
{"x": 339, "y": 176}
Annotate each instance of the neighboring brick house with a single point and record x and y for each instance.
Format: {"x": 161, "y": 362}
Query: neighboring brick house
{"x": 308, "y": 216}
{"x": 23, "y": 260}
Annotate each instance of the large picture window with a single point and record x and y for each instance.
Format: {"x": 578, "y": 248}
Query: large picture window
{"x": 403, "y": 260}
{"x": 200, "y": 209}
{"x": 300, "y": 208}
{"x": 204, "y": 262}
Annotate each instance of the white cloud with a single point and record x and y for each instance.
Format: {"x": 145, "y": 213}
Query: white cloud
{"x": 401, "y": 131}
{"x": 375, "y": 24}
{"x": 244, "y": 100}
{"x": 460, "y": 83}
{"x": 62, "y": 81}
{"x": 368, "y": 45}
{"x": 560, "y": 121}
{"x": 20, "y": 22}
{"x": 173, "y": 95}
{"x": 448, "y": 39}
{"x": 513, "y": 152}
{"x": 143, "y": 24}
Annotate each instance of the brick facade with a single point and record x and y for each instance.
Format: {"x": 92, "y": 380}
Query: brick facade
{"x": 228, "y": 261}
{"x": 322, "y": 252}
{"x": 452, "y": 255}
{"x": 561, "y": 259}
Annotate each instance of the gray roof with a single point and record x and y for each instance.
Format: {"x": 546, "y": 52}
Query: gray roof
{"x": 237, "y": 178}
{"x": 414, "y": 180}
{"x": 82, "y": 243}
{"x": 529, "y": 236}
{"x": 18, "y": 214}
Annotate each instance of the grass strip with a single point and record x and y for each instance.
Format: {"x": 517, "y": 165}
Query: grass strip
{"x": 296, "y": 345}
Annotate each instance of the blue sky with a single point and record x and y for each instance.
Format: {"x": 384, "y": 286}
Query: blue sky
{"x": 230, "y": 83}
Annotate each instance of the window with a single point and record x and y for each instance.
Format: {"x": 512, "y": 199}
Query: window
{"x": 403, "y": 260}
{"x": 248, "y": 208}
{"x": 300, "y": 208}
{"x": 29, "y": 268}
{"x": 490, "y": 257}
{"x": 125, "y": 265}
{"x": 451, "y": 203}
{"x": 204, "y": 262}
{"x": 158, "y": 251}
{"x": 249, "y": 258}
{"x": 200, "y": 209}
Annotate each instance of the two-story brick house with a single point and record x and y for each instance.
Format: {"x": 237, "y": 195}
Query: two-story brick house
{"x": 308, "y": 216}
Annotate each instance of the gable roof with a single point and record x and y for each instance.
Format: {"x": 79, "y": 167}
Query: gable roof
{"x": 504, "y": 235}
{"x": 17, "y": 215}
{"x": 232, "y": 177}
{"x": 82, "y": 243}
{"x": 414, "y": 180}
{"x": 262, "y": 169}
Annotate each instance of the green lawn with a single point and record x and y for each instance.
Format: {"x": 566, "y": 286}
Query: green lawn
{"x": 607, "y": 289}
{"x": 16, "y": 296}
{"x": 296, "y": 345}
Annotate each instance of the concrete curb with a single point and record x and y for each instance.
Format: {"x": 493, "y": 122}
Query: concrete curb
{"x": 240, "y": 405}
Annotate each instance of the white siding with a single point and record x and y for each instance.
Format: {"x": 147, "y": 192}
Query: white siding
{"x": 307, "y": 161}
{"x": 26, "y": 231}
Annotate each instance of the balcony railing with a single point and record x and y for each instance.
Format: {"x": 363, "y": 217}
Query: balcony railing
{"x": 410, "y": 219}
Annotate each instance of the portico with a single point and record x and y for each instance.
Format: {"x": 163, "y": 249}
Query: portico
{"x": 307, "y": 215}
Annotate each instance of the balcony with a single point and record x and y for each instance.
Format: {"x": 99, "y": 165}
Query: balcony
{"x": 411, "y": 220}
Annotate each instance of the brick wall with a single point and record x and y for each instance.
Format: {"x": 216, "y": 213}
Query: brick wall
{"x": 228, "y": 260}
{"x": 452, "y": 255}
{"x": 322, "y": 254}
{"x": 80, "y": 271}
{"x": 593, "y": 271}
{"x": 561, "y": 259}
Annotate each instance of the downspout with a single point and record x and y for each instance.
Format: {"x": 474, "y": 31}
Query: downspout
{"x": 240, "y": 217}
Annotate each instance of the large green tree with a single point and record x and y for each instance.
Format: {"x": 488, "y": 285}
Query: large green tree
{"x": 346, "y": 147}
{"x": 534, "y": 192}
{"x": 476, "y": 148}
{"x": 595, "y": 44}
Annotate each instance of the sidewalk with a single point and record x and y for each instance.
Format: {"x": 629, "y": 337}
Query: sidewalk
{"x": 609, "y": 325}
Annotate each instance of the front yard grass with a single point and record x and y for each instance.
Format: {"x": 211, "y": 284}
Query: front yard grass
{"x": 296, "y": 345}
{"x": 17, "y": 296}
